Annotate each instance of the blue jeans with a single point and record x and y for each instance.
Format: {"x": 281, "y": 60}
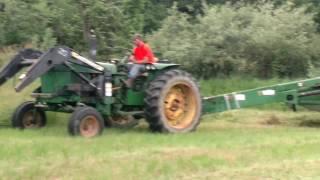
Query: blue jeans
{"x": 135, "y": 70}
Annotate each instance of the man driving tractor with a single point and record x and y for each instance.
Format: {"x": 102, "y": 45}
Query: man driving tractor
{"x": 142, "y": 54}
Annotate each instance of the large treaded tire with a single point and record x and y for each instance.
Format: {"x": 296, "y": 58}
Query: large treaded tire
{"x": 23, "y": 117}
{"x": 86, "y": 122}
{"x": 166, "y": 95}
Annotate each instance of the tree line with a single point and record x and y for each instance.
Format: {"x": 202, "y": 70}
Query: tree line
{"x": 220, "y": 38}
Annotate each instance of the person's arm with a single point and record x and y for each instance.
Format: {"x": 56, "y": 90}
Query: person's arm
{"x": 149, "y": 54}
{"x": 132, "y": 57}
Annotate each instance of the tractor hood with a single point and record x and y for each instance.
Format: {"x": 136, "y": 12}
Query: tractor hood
{"x": 108, "y": 67}
{"x": 113, "y": 68}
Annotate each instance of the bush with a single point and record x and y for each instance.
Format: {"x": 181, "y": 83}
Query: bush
{"x": 261, "y": 40}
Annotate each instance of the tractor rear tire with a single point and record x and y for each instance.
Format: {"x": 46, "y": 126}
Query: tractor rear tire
{"x": 86, "y": 122}
{"x": 173, "y": 103}
{"x": 27, "y": 116}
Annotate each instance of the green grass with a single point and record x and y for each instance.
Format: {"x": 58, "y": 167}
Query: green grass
{"x": 236, "y": 145}
{"x": 242, "y": 144}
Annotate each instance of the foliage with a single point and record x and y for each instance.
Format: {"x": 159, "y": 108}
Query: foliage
{"x": 134, "y": 11}
{"x": 22, "y": 20}
{"x": 255, "y": 37}
{"x": 66, "y": 21}
{"x": 6, "y": 54}
{"x": 44, "y": 42}
{"x": 73, "y": 22}
{"x": 262, "y": 40}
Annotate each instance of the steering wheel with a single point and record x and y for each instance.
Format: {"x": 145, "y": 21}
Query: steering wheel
{"x": 123, "y": 63}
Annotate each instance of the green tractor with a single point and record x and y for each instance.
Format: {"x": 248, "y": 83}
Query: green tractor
{"x": 95, "y": 93}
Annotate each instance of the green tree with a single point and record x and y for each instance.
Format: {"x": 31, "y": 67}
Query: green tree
{"x": 155, "y": 12}
{"x": 134, "y": 12}
{"x": 73, "y": 22}
{"x": 67, "y": 22}
{"x": 22, "y": 20}
{"x": 261, "y": 40}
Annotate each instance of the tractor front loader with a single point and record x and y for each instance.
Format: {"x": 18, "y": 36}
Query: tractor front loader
{"x": 94, "y": 92}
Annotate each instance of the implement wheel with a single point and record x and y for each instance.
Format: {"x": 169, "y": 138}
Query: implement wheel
{"x": 27, "y": 116}
{"x": 173, "y": 103}
{"x": 86, "y": 122}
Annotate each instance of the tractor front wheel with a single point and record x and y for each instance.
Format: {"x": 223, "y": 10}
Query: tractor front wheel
{"x": 86, "y": 122}
{"x": 27, "y": 116}
{"x": 173, "y": 103}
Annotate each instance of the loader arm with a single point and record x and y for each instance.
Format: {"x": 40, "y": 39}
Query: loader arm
{"x": 52, "y": 58}
{"x": 24, "y": 58}
{"x": 45, "y": 62}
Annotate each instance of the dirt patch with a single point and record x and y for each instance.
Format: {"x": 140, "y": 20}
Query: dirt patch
{"x": 270, "y": 121}
{"x": 310, "y": 123}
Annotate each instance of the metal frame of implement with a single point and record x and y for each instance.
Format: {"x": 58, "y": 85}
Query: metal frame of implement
{"x": 304, "y": 93}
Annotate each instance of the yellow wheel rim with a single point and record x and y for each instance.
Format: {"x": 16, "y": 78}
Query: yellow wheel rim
{"x": 180, "y": 106}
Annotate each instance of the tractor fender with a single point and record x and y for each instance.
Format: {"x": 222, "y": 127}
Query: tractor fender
{"x": 165, "y": 66}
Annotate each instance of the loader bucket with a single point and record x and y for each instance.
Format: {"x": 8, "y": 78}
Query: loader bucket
{"x": 24, "y": 58}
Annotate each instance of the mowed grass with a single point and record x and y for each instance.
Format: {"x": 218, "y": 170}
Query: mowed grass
{"x": 224, "y": 147}
{"x": 241, "y": 144}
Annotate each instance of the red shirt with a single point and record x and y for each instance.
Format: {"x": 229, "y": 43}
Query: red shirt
{"x": 143, "y": 51}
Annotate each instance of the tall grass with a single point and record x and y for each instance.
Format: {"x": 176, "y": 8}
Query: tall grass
{"x": 6, "y": 54}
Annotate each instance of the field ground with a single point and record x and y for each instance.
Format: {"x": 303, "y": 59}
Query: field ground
{"x": 246, "y": 144}
{"x": 242, "y": 144}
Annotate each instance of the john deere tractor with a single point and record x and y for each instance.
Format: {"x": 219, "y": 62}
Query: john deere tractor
{"x": 95, "y": 93}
